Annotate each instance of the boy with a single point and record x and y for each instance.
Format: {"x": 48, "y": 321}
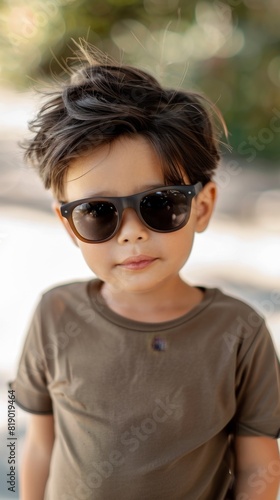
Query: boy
{"x": 140, "y": 385}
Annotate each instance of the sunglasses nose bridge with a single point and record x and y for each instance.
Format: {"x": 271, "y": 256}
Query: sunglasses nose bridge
{"x": 128, "y": 202}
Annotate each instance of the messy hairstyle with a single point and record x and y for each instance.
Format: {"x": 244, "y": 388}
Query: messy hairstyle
{"x": 101, "y": 102}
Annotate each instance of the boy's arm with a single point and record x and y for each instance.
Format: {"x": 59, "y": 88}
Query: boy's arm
{"x": 36, "y": 457}
{"x": 257, "y": 468}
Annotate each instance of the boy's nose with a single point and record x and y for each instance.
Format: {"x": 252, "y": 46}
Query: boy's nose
{"x": 131, "y": 229}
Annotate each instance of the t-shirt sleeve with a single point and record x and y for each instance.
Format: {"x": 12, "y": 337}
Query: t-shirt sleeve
{"x": 258, "y": 387}
{"x": 31, "y": 382}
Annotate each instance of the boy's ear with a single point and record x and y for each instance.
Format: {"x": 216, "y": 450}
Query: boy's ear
{"x": 205, "y": 203}
{"x": 56, "y": 209}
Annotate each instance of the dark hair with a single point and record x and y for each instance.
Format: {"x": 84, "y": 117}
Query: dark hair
{"x": 102, "y": 102}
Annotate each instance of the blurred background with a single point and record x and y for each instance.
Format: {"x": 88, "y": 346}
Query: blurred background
{"x": 229, "y": 50}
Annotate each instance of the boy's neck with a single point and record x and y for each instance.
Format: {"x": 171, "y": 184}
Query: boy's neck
{"x": 170, "y": 302}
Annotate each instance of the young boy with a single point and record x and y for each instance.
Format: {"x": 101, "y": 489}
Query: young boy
{"x": 140, "y": 385}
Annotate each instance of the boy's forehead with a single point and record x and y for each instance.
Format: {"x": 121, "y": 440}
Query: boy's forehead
{"x": 121, "y": 166}
{"x": 88, "y": 160}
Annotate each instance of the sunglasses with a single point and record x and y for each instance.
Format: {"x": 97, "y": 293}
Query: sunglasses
{"x": 164, "y": 209}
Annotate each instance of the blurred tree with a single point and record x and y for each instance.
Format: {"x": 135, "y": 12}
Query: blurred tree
{"x": 229, "y": 49}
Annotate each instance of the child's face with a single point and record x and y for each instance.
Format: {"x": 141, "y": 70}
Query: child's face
{"x": 126, "y": 167}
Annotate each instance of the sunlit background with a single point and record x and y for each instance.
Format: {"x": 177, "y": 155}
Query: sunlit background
{"x": 230, "y": 50}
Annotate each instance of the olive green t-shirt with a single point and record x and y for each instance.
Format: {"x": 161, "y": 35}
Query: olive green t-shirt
{"x": 145, "y": 411}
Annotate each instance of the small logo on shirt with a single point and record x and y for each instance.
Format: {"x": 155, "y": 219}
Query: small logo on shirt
{"x": 159, "y": 344}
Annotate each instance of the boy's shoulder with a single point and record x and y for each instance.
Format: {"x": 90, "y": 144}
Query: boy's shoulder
{"x": 232, "y": 302}
{"x": 67, "y": 288}
{"x": 68, "y": 293}
{"x": 235, "y": 306}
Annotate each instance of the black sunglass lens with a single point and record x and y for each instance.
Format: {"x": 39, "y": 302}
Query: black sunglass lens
{"x": 95, "y": 221}
{"x": 165, "y": 210}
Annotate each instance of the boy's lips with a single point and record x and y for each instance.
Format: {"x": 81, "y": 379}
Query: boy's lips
{"x": 137, "y": 262}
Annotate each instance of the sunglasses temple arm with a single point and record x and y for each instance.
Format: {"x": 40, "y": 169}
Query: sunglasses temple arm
{"x": 198, "y": 187}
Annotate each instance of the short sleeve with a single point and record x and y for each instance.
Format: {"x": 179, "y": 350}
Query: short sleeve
{"x": 31, "y": 384}
{"x": 258, "y": 387}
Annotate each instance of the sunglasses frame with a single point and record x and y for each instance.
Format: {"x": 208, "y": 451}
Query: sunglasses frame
{"x": 123, "y": 202}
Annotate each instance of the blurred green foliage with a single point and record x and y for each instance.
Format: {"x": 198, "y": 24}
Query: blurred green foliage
{"x": 228, "y": 49}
